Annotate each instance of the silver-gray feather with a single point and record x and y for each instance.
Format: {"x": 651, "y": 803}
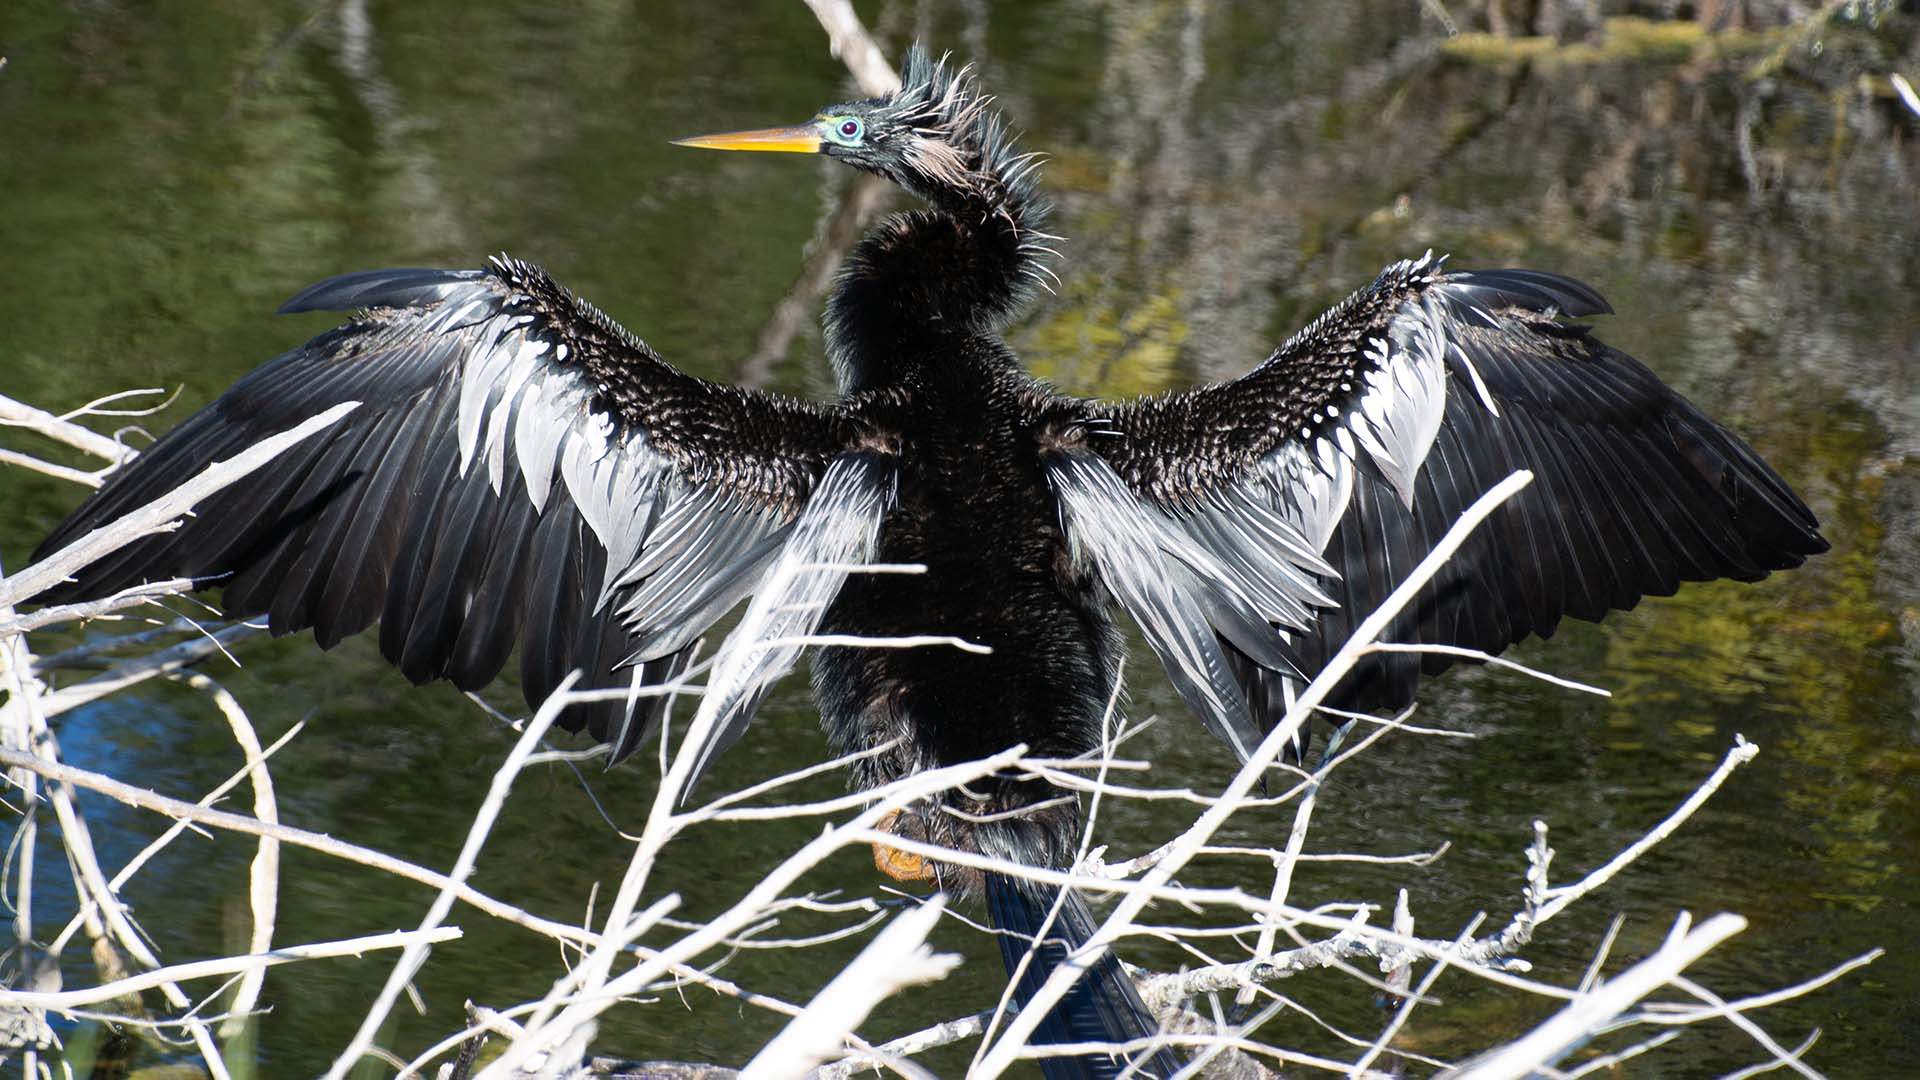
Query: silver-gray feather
{"x": 1160, "y": 576}
{"x": 519, "y": 405}
{"x": 838, "y": 531}
{"x": 1247, "y": 564}
{"x": 1281, "y": 516}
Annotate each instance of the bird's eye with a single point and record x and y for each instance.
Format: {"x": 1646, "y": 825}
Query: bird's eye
{"x": 850, "y": 129}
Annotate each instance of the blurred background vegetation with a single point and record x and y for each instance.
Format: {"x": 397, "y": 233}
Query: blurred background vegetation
{"x": 1737, "y": 176}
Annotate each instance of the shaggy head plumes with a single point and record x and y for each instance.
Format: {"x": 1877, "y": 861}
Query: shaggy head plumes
{"x": 937, "y": 137}
{"x": 967, "y": 261}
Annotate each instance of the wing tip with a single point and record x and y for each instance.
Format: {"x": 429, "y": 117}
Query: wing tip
{"x": 399, "y": 287}
{"x": 1533, "y": 290}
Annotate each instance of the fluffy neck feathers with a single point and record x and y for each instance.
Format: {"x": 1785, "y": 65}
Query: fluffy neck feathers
{"x": 965, "y": 264}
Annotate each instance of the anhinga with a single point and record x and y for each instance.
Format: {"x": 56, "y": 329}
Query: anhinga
{"x": 523, "y": 469}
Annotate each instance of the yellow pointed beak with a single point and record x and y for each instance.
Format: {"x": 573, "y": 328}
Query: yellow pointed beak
{"x": 799, "y": 139}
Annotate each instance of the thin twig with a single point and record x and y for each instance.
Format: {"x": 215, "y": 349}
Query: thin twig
{"x": 415, "y": 954}
{"x": 897, "y": 958}
{"x": 140, "y": 669}
{"x": 287, "y": 834}
{"x": 263, "y": 874}
{"x": 1574, "y": 1024}
{"x": 1742, "y": 752}
{"x": 226, "y": 965}
{"x": 163, "y": 513}
{"x": 172, "y": 833}
{"x": 945, "y": 1033}
{"x": 144, "y": 594}
{"x": 19, "y": 414}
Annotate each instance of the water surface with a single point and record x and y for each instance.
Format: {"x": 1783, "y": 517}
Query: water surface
{"x": 1224, "y": 172}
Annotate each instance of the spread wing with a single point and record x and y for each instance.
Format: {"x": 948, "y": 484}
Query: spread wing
{"x": 1298, "y": 496}
{"x": 521, "y": 469}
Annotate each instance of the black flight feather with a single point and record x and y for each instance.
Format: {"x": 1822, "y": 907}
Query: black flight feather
{"x": 412, "y": 511}
{"x": 1635, "y": 490}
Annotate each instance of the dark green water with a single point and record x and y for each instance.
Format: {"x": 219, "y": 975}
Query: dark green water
{"x": 170, "y": 173}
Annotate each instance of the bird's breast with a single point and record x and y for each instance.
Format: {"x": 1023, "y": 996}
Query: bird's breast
{"x": 1033, "y": 652}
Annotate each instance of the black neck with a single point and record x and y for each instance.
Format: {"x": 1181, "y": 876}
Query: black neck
{"x": 964, "y": 265}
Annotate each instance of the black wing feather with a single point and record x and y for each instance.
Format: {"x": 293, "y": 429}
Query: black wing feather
{"x": 560, "y": 548}
{"x": 1635, "y": 490}
{"x": 360, "y": 562}
{"x": 1531, "y": 290}
{"x": 396, "y": 287}
{"x": 510, "y": 438}
{"x": 494, "y": 612}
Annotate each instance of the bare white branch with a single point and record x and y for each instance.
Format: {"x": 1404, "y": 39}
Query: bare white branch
{"x": 63, "y": 430}
{"x": 415, "y": 954}
{"x": 896, "y": 959}
{"x": 146, "y": 594}
{"x": 287, "y": 834}
{"x": 1905, "y": 89}
{"x": 848, "y": 39}
{"x": 162, "y": 514}
{"x": 263, "y": 879}
{"x": 201, "y": 969}
{"x": 162, "y": 662}
{"x": 1557, "y": 900}
{"x": 1576, "y": 1023}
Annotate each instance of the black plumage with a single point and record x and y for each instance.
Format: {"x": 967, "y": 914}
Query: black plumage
{"x": 1104, "y": 1004}
{"x": 524, "y": 470}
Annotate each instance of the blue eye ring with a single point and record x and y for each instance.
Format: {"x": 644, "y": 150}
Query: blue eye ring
{"x": 848, "y": 129}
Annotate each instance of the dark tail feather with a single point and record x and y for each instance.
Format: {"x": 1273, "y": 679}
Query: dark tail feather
{"x": 1102, "y": 1007}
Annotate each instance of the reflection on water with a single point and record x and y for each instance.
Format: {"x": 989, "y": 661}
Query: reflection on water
{"x": 1224, "y": 171}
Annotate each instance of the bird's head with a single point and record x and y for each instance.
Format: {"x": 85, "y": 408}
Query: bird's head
{"x": 934, "y": 136}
